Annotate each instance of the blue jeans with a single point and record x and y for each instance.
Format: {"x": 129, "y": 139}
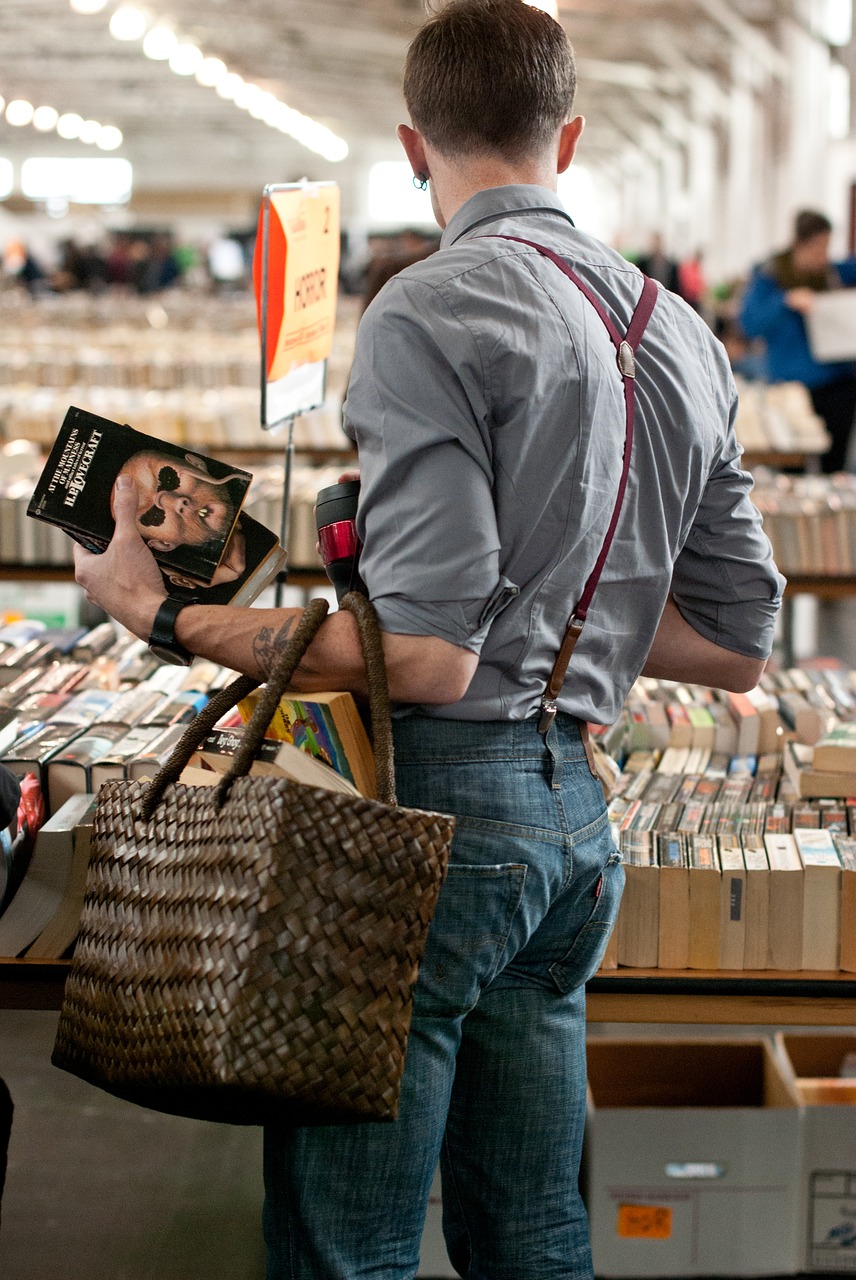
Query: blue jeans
{"x": 494, "y": 1084}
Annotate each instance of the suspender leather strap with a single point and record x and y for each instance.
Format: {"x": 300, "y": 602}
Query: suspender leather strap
{"x": 626, "y": 358}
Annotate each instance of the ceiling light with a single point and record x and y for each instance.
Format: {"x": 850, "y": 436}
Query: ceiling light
{"x": 128, "y": 23}
{"x": 185, "y": 59}
{"x": 229, "y": 86}
{"x": 211, "y": 71}
{"x": 109, "y": 138}
{"x": 19, "y": 112}
{"x": 45, "y": 118}
{"x": 88, "y": 6}
{"x": 89, "y": 131}
{"x": 246, "y": 94}
{"x": 262, "y": 106}
{"x": 6, "y": 177}
{"x": 81, "y": 181}
{"x": 159, "y": 43}
{"x": 2, "y": 102}
{"x": 69, "y": 125}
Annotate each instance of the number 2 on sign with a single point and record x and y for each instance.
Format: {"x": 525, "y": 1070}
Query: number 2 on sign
{"x": 644, "y": 1222}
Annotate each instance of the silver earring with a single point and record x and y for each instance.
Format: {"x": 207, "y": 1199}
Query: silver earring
{"x": 420, "y": 181}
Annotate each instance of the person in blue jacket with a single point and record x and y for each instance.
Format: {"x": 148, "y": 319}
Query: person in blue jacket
{"x": 781, "y": 292}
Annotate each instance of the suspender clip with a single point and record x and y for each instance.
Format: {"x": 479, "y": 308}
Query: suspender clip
{"x": 626, "y": 360}
{"x": 548, "y": 714}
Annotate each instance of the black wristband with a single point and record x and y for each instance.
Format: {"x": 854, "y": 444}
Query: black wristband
{"x": 162, "y": 641}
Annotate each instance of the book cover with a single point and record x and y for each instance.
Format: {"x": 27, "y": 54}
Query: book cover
{"x": 810, "y": 781}
{"x": 61, "y": 930}
{"x": 732, "y": 915}
{"x": 756, "y": 938}
{"x": 639, "y": 914}
{"x": 252, "y": 560}
{"x": 31, "y": 752}
{"x": 112, "y": 765}
{"x": 188, "y": 503}
{"x": 786, "y": 902}
{"x": 704, "y": 878}
{"x": 45, "y": 881}
{"x": 69, "y": 769}
{"x": 836, "y": 749}
{"x": 152, "y": 758}
{"x": 821, "y": 898}
{"x": 846, "y": 846}
{"x": 328, "y": 726}
{"x": 674, "y": 907}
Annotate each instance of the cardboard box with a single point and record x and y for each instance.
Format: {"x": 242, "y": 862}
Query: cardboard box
{"x": 822, "y": 1065}
{"x": 692, "y": 1157}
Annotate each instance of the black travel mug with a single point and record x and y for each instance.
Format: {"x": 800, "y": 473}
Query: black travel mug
{"x": 336, "y": 521}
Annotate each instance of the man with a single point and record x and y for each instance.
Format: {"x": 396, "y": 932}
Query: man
{"x": 781, "y": 292}
{"x": 489, "y": 414}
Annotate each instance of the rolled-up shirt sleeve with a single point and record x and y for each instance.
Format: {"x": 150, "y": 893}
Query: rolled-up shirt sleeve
{"x": 418, "y": 410}
{"x": 724, "y": 581}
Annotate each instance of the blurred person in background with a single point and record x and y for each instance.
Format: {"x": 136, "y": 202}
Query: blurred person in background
{"x": 659, "y": 265}
{"x": 781, "y": 292}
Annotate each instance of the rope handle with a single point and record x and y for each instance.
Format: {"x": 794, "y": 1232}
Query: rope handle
{"x": 279, "y": 680}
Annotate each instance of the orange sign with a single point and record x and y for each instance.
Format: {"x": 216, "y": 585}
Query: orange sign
{"x": 644, "y": 1222}
{"x": 301, "y": 274}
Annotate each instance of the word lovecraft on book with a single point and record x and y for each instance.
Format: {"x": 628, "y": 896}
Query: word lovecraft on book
{"x": 189, "y": 508}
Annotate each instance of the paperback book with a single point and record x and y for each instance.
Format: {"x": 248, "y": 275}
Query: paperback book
{"x": 189, "y": 508}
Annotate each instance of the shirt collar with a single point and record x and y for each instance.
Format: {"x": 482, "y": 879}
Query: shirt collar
{"x": 499, "y": 202}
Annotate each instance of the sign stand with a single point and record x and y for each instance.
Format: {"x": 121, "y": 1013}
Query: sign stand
{"x": 295, "y": 272}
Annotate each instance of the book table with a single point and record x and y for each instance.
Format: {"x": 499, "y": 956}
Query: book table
{"x": 763, "y": 998}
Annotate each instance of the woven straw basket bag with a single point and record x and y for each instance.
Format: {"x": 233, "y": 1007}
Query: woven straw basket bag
{"x": 248, "y": 952}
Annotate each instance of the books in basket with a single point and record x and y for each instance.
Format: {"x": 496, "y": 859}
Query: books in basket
{"x": 189, "y": 507}
{"x": 327, "y": 726}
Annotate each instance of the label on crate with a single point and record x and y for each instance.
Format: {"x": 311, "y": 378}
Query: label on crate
{"x": 644, "y": 1222}
{"x": 832, "y": 1221}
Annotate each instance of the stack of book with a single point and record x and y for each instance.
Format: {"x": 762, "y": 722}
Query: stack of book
{"x": 80, "y": 708}
{"x": 810, "y": 521}
{"x": 778, "y": 418}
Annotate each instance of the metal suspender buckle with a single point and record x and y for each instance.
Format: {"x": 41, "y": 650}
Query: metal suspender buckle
{"x": 548, "y": 713}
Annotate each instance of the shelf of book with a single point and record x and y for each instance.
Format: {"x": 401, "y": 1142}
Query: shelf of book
{"x": 627, "y": 995}
{"x": 762, "y": 997}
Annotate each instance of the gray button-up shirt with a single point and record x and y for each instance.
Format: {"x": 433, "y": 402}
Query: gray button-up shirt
{"x": 488, "y": 411}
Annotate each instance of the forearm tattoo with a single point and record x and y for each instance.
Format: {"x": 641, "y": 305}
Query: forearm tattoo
{"x": 269, "y": 644}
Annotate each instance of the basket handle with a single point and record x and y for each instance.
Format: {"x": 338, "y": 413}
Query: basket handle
{"x": 275, "y": 686}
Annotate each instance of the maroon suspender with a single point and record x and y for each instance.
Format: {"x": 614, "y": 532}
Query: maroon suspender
{"x": 626, "y": 358}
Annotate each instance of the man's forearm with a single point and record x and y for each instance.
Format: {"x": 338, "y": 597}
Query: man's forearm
{"x": 680, "y": 653}
{"x": 252, "y": 640}
{"x": 419, "y": 668}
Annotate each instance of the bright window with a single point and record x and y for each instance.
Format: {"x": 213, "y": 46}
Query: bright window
{"x": 6, "y": 176}
{"x": 79, "y": 181}
{"x": 393, "y": 199}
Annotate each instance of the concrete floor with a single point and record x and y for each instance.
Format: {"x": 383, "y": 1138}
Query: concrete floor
{"x": 98, "y": 1189}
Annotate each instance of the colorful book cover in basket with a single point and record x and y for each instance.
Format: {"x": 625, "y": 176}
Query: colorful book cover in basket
{"x": 188, "y": 503}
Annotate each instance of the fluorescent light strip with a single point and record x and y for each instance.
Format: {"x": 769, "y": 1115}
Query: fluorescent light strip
{"x": 19, "y": 113}
{"x": 162, "y": 42}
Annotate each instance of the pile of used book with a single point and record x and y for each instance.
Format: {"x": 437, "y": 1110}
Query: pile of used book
{"x": 80, "y": 708}
{"x": 735, "y": 815}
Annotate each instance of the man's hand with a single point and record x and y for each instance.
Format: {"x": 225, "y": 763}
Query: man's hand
{"x": 125, "y": 580}
{"x": 801, "y": 300}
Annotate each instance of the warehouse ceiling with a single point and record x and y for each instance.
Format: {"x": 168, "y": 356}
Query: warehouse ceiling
{"x": 644, "y": 65}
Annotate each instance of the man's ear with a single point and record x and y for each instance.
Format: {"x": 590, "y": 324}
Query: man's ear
{"x": 568, "y": 139}
{"x": 414, "y": 148}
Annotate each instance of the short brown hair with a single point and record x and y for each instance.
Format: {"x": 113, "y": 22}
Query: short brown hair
{"x": 809, "y": 223}
{"x": 489, "y": 76}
